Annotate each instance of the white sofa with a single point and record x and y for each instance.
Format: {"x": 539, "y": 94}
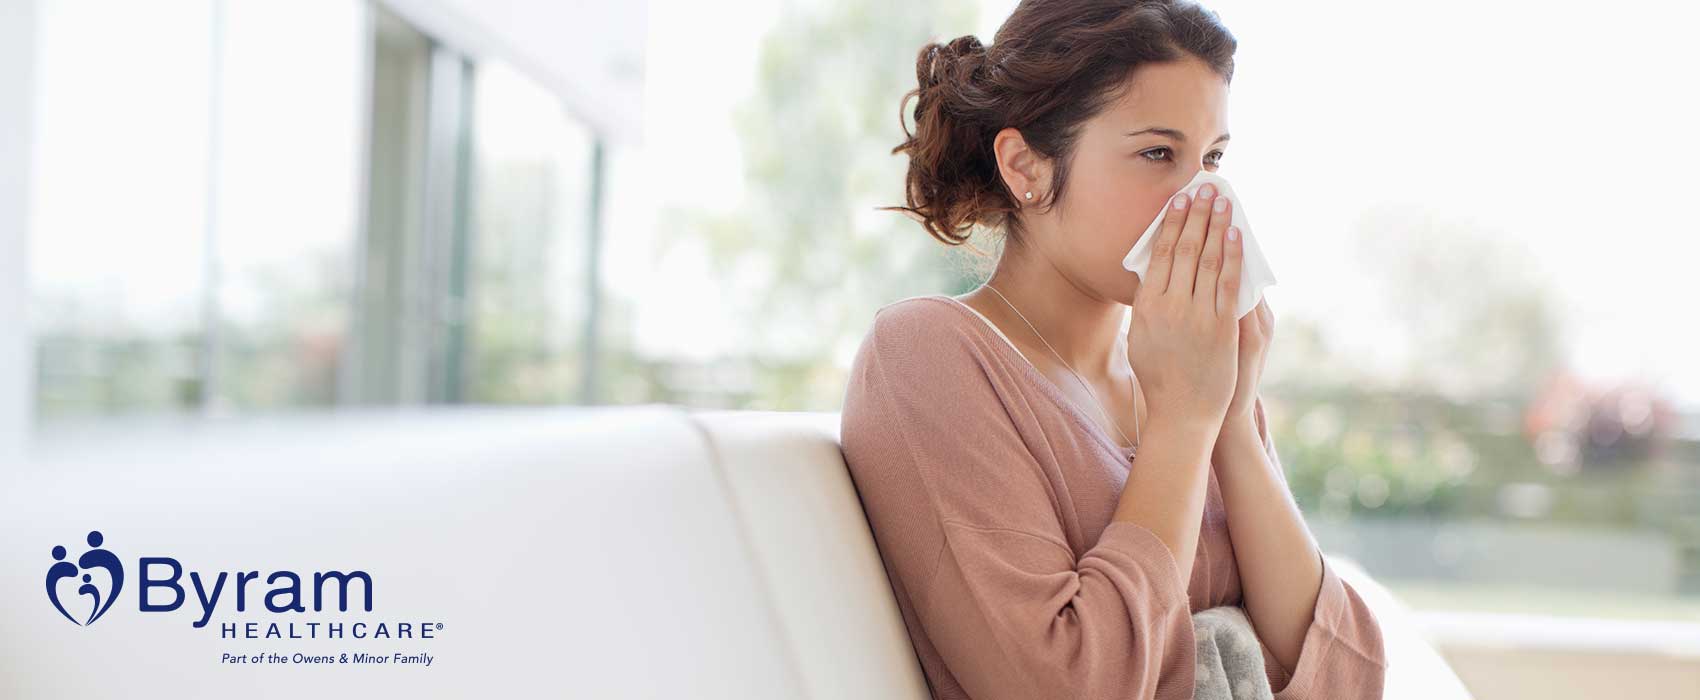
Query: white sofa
{"x": 608, "y": 552}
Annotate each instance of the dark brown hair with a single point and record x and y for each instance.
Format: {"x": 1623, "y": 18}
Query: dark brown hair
{"x": 1051, "y": 66}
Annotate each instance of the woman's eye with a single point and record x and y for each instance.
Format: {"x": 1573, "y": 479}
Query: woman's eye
{"x": 1165, "y": 151}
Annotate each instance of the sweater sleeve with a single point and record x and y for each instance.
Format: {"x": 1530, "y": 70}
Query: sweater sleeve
{"x": 1342, "y": 655}
{"x": 966, "y": 519}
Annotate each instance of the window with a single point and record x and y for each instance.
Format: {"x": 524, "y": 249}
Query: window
{"x": 371, "y": 219}
{"x": 195, "y": 199}
{"x": 529, "y": 292}
{"x": 118, "y": 288}
{"x": 287, "y": 192}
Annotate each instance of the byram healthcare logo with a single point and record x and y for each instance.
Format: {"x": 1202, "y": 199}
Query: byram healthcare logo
{"x": 161, "y": 585}
{"x": 95, "y": 558}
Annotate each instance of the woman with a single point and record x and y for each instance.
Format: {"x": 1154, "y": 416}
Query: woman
{"x": 1036, "y": 550}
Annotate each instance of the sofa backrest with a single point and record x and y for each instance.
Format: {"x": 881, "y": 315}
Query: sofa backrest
{"x": 631, "y": 552}
{"x": 815, "y": 554}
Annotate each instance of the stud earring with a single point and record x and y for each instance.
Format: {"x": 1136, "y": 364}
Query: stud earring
{"x": 1029, "y": 195}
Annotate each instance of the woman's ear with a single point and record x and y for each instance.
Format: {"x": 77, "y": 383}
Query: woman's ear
{"x": 1023, "y": 170}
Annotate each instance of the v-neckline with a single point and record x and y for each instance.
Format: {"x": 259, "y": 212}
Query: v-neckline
{"x": 1048, "y": 387}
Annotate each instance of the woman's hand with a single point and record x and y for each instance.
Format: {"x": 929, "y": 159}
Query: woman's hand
{"x": 1183, "y": 340}
{"x": 1256, "y": 329}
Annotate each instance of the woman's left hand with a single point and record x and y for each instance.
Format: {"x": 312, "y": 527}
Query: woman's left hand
{"x": 1257, "y": 327}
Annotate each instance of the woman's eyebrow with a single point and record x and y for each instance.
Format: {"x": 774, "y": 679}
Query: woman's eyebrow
{"x": 1173, "y": 133}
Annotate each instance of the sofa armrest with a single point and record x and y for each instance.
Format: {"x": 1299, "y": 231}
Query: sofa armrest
{"x": 1415, "y": 668}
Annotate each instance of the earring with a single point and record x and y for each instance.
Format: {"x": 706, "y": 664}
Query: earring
{"x": 1029, "y": 195}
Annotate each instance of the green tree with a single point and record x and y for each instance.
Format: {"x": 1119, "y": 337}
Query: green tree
{"x": 806, "y": 258}
{"x": 1477, "y": 320}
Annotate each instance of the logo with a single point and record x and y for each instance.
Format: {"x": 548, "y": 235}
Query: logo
{"x": 95, "y": 558}
{"x": 321, "y": 602}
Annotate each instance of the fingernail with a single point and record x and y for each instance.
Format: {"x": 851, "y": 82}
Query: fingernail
{"x": 1233, "y": 233}
{"x": 1221, "y": 204}
{"x": 1180, "y": 201}
{"x": 1207, "y": 190}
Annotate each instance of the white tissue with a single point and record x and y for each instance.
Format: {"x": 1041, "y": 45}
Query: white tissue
{"x": 1254, "y": 274}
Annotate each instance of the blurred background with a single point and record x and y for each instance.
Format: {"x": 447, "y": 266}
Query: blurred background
{"x": 1484, "y": 384}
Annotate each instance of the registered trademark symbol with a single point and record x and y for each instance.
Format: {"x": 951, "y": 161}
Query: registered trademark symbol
{"x": 439, "y": 625}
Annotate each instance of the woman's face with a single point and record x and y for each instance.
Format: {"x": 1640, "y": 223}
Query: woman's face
{"x": 1130, "y": 158}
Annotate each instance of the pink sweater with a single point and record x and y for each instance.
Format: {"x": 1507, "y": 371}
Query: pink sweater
{"x": 990, "y": 497}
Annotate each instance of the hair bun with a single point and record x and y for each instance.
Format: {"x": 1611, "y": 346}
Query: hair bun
{"x": 954, "y": 62}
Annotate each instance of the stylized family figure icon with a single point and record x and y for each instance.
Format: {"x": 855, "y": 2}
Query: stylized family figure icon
{"x": 95, "y": 558}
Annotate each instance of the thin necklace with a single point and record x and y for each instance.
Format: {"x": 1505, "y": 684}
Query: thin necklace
{"x": 1118, "y": 427}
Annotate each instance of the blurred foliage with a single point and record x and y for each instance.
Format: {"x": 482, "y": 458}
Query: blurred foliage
{"x": 1476, "y": 319}
{"x": 1349, "y": 452}
{"x": 288, "y": 352}
{"x": 1431, "y": 429}
{"x": 282, "y": 352}
{"x": 527, "y": 305}
{"x": 806, "y": 257}
{"x": 1419, "y": 428}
